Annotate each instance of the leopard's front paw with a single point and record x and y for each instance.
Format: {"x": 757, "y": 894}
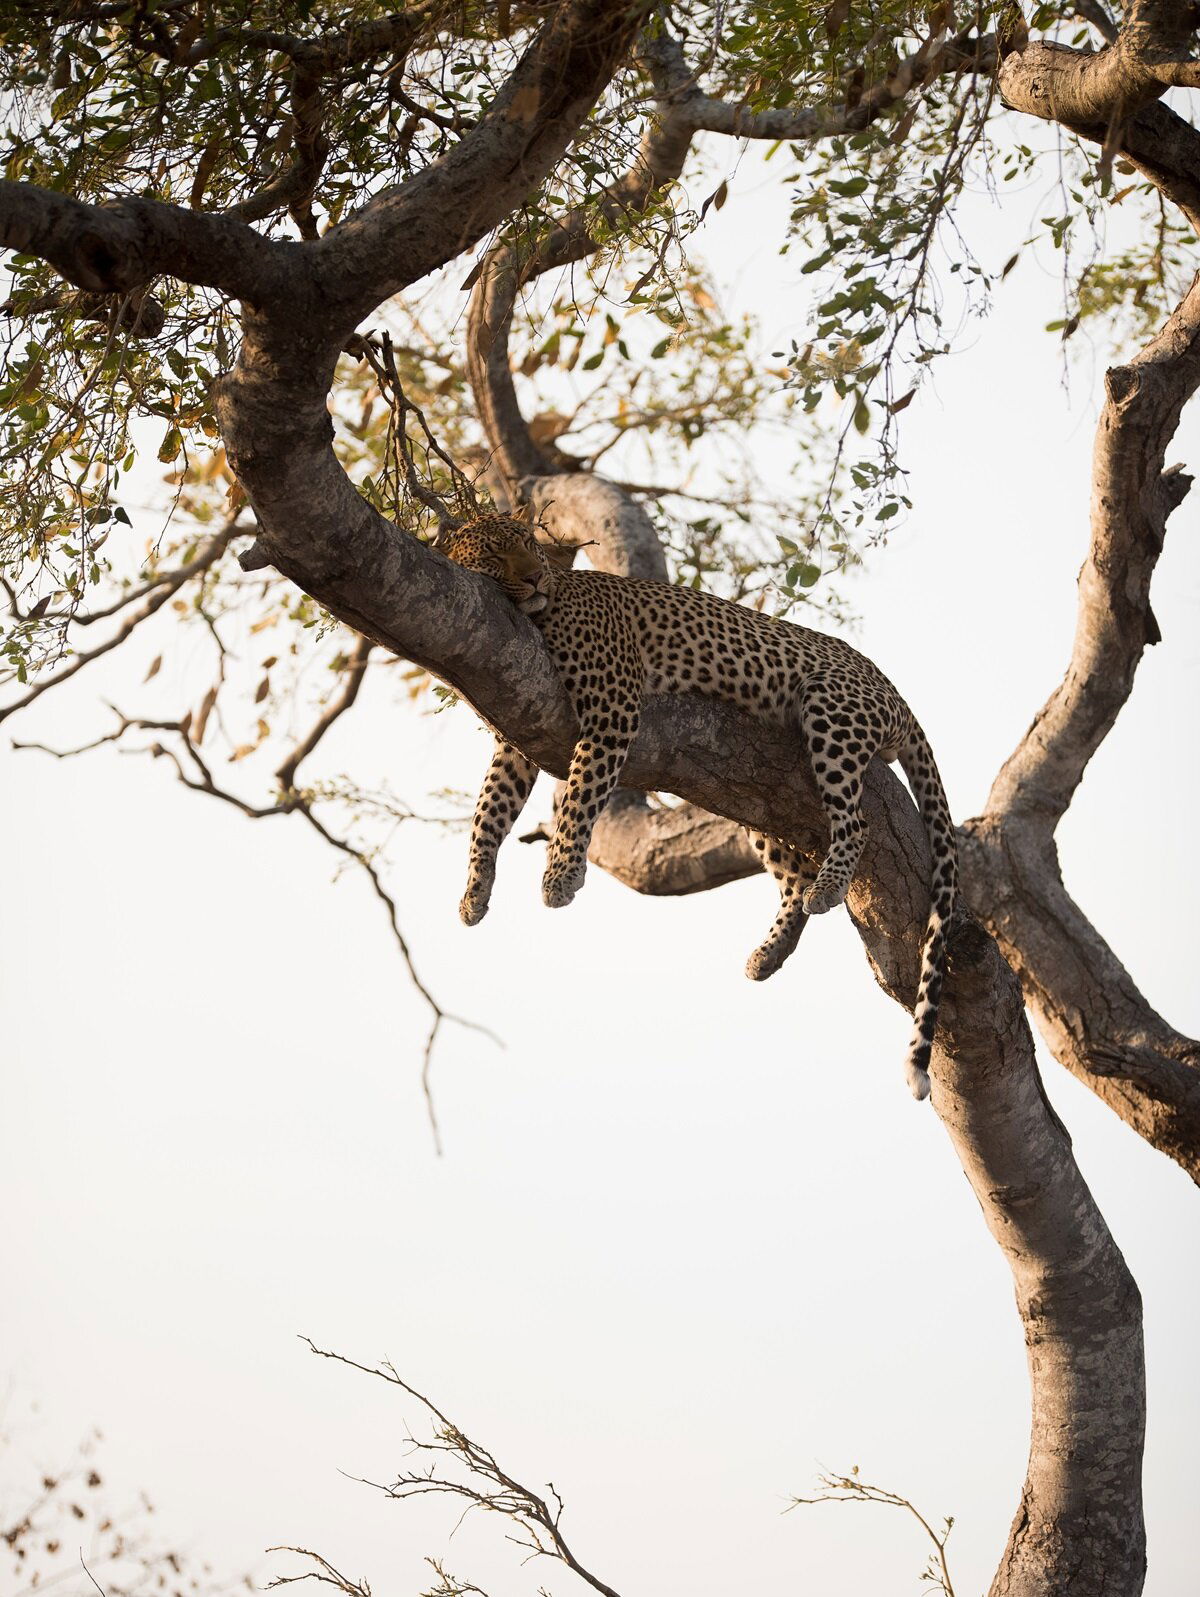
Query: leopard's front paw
{"x": 473, "y": 906}
{"x": 559, "y": 887}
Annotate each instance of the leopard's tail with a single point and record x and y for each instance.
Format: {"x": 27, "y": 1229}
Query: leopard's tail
{"x": 920, "y": 767}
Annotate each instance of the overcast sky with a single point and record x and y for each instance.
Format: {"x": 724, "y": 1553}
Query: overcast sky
{"x": 690, "y": 1240}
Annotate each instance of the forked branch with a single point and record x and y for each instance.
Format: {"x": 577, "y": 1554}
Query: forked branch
{"x": 1091, "y": 1012}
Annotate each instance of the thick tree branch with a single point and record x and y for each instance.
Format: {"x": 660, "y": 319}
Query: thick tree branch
{"x": 404, "y": 234}
{"x": 1109, "y": 98}
{"x": 1152, "y": 52}
{"x": 1132, "y": 497}
{"x": 1093, "y": 1016}
{"x": 667, "y": 852}
{"x": 117, "y": 248}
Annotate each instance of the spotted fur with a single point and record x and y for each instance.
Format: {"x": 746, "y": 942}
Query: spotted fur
{"x": 614, "y": 640}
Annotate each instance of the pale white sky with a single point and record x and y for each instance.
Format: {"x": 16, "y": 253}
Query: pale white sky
{"x": 691, "y": 1240}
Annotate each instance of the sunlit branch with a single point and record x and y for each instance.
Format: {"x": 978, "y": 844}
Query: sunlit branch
{"x": 850, "y": 1489}
{"x": 1094, "y": 1017}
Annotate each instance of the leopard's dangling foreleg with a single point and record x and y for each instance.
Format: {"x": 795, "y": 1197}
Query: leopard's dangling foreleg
{"x": 839, "y": 764}
{"x": 596, "y": 766}
{"x": 507, "y": 785}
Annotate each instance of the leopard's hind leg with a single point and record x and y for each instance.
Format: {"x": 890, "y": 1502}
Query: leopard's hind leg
{"x": 840, "y": 749}
{"x": 793, "y": 874}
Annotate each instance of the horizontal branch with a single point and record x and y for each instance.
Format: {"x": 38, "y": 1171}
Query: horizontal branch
{"x": 670, "y": 851}
{"x": 1110, "y": 97}
{"x": 1151, "y": 52}
{"x": 938, "y": 56}
{"x": 118, "y": 247}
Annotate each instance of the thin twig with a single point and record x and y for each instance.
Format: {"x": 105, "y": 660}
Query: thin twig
{"x": 488, "y": 1487}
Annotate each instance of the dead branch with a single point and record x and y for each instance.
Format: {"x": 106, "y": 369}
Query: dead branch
{"x": 850, "y": 1489}
{"x": 355, "y": 670}
{"x": 536, "y": 1519}
{"x": 193, "y": 771}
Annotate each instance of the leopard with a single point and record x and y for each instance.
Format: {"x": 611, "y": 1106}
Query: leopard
{"x": 614, "y": 641}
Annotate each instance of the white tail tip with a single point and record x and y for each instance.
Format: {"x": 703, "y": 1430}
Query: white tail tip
{"x": 918, "y": 1081}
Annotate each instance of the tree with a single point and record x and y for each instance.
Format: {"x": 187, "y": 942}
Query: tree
{"x": 232, "y": 196}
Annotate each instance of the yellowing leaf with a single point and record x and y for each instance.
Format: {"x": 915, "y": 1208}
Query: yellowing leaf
{"x": 210, "y": 698}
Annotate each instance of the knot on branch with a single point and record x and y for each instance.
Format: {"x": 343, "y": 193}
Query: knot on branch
{"x": 1122, "y": 383}
{"x": 1174, "y": 485}
{"x": 255, "y": 558}
{"x": 969, "y": 949}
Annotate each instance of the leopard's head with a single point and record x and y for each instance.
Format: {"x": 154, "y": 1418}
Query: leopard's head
{"x": 504, "y": 549}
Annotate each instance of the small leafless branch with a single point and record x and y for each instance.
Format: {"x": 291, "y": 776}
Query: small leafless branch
{"x": 325, "y": 1574}
{"x": 380, "y": 355}
{"x": 850, "y": 1489}
{"x": 354, "y": 673}
{"x": 194, "y": 772}
{"x": 536, "y": 1519}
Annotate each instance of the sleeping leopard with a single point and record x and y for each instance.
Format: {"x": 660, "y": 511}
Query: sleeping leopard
{"x": 616, "y": 639}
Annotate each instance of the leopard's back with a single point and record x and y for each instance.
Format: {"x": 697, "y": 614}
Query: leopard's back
{"x": 690, "y": 641}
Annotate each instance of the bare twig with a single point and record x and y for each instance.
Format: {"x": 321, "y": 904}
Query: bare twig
{"x": 850, "y": 1489}
{"x": 355, "y": 670}
{"x": 536, "y": 1518}
{"x": 197, "y": 775}
{"x": 381, "y": 358}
